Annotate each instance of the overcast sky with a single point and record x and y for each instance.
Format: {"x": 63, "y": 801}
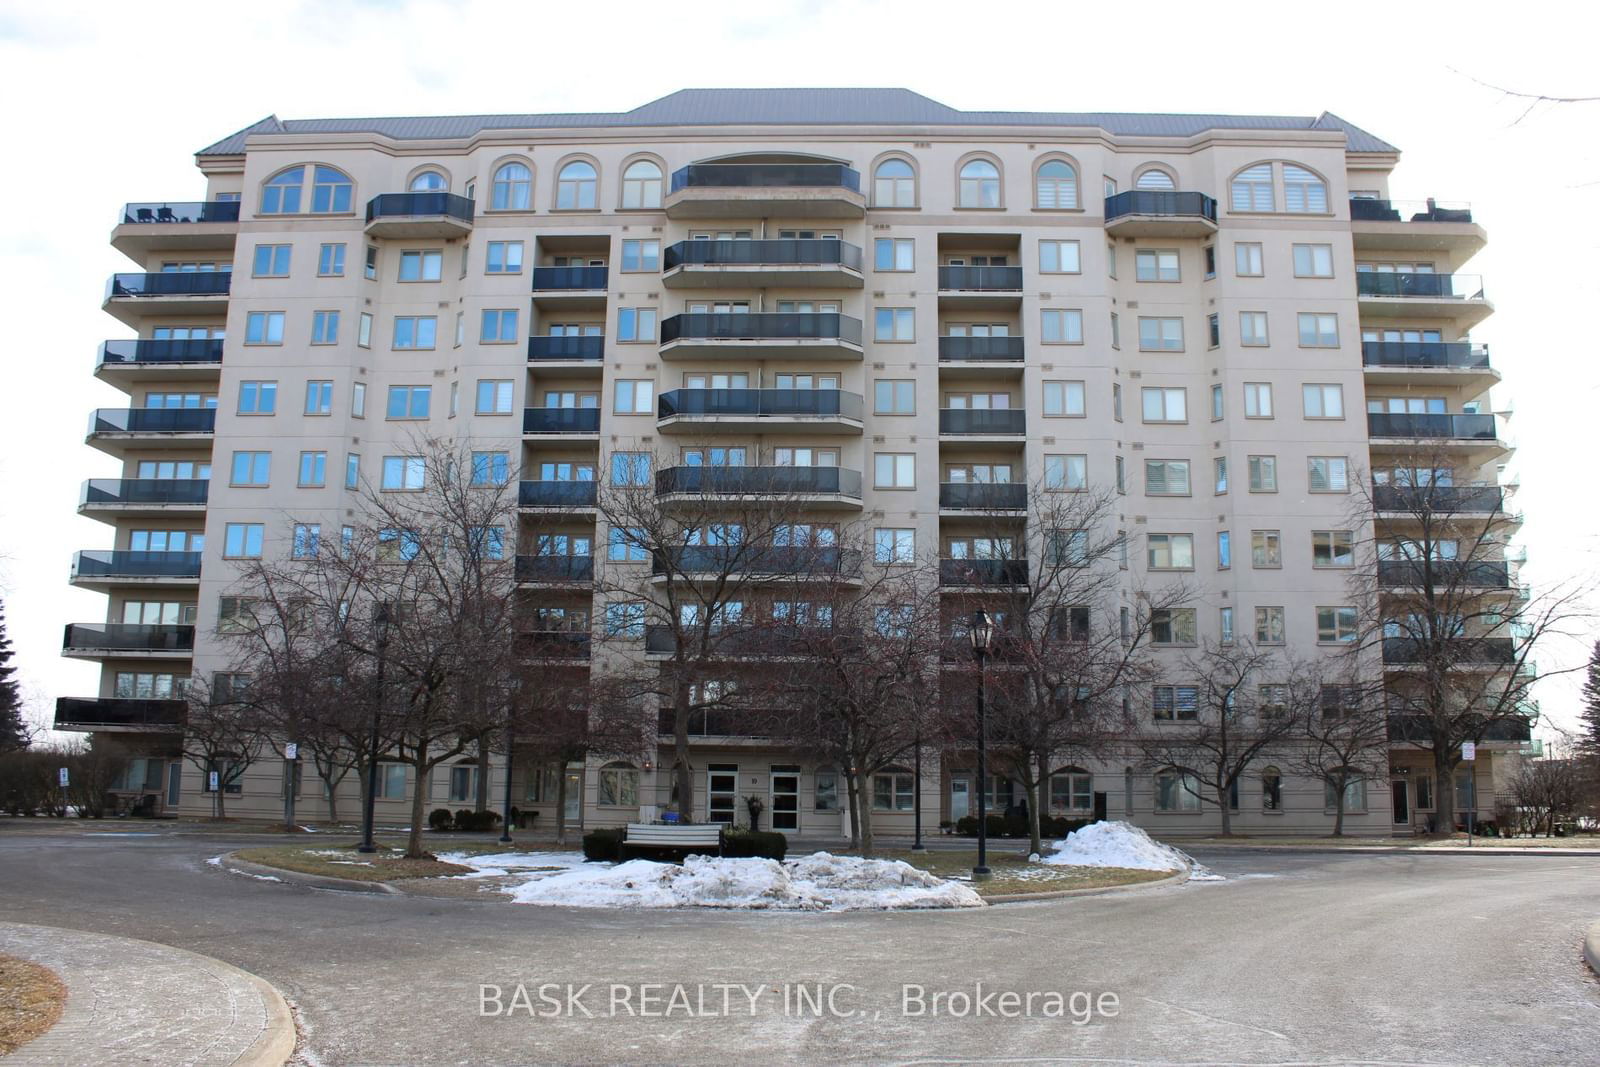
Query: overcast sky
{"x": 106, "y": 103}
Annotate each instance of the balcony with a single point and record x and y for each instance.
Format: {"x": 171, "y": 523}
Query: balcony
{"x": 987, "y": 497}
{"x": 101, "y": 569}
{"x": 1435, "y": 501}
{"x": 435, "y": 215}
{"x": 983, "y": 573}
{"x": 986, "y": 423}
{"x": 130, "y": 296}
{"x": 791, "y": 263}
{"x": 114, "y": 639}
{"x": 143, "y": 497}
{"x": 981, "y": 350}
{"x": 816, "y": 487}
{"x": 1449, "y": 652}
{"x": 770, "y": 562}
{"x": 980, "y": 288}
{"x": 824, "y": 411}
{"x": 117, "y": 714}
{"x": 553, "y": 644}
{"x": 566, "y": 349}
{"x": 766, "y": 335}
{"x": 175, "y": 226}
{"x": 1422, "y": 430}
{"x": 1409, "y": 294}
{"x": 126, "y": 362}
{"x": 1451, "y": 363}
{"x": 763, "y": 190}
{"x": 570, "y": 288}
{"x": 1160, "y": 213}
{"x": 555, "y": 570}
{"x": 719, "y": 723}
{"x": 553, "y": 497}
{"x": 741, "y": 642}
{"x": 1419, "y": 575}
{"x": 560, "y": 422}
{"x": 1414, "y": 729}
{"x": 1415, "y": 226}
{"x": 113, "y": 430}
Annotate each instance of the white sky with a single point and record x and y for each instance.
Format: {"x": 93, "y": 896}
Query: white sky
{"x": 106, "y": 103}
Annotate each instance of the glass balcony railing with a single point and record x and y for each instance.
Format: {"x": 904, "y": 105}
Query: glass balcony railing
{"x": 1445, "y": 573}
{"x": 1419, "y": 285}
{"x": 540, "y": 347}
{"x": 981, "y": 279}
{"x": 765, "y": 175}
{"x": 179, "y": 211}
{"x": 1004, "y": 422}
{"x": 77, "y": 713}
{"x": 966, "y": 572}
{"x": 1438, "y": 499}
{"x": 555, "y": 568}
{"x": 782, "y": 252}
{"x": 408, "y": 205}
{"x": 1445, "y": 651}
{"x": 760, "y": 481}
{"x": 758, "y": 403}
{"x": 1454, "y": 355}
{"x": 1418, "y": 729}
{"x": 997, "y": 349}
{"x": 556, "y": 494}
{"x": 1367, "y": 210}
{"x": 127, "y": 637}
{"x": 560, "y": 420}
{"x": 569, "y": 279}
{"x": 762, "y": 560}
{"x": 145, "y": 491}
{"x": 1452, "y": 427}
{"x": 715, "y": 722}
{"x": 746, "y": 641}
{"x": 173, "y": 283}
{"x": 760, "y": 326}
{"x": 983, "y": 496}
{"x": 153, "y": 420}
{"x": 96, "y": 563}
{"x": 554, "y": 644}
{"x": 1160, "y": 202}
{"x": 149, "y": 350}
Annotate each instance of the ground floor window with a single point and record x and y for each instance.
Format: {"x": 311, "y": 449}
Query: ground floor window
{"x": 998, "y": 790}
{"x": 827, "y": 791}
{"x": 893, "y": 790}
{"x": 228, "y": 774}
{"x": 1355, "y": 795}
{"x": 1177, "y": 792}
{"x": 619, "y": 786}
{"x": 1271, "y": 790}
{"x": 463, "y": 783}
{"x": 1425, "y": 793}
{"x": 391, "y": 781}
{"x": 1072, "y": 790}
{"x": 138, "y": 774}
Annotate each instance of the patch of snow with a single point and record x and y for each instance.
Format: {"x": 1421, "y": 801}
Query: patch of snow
{"x": 499, "y": 864}
{"x": 215, "y": 861}
{"x": 1121, "y": 844}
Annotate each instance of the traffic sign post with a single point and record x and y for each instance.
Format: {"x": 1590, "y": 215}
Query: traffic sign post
{"x": 1469, "y": 753}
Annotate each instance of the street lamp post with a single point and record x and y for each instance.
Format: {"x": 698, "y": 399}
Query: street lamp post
{"x": 511, "y": 742}
{"x": 982, "y": 635}
{"x": 916, "y": 796}
{"x": 380, "y": 632}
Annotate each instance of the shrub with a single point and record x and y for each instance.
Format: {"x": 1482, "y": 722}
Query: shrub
{"x": 763, "y": 844}
{"x": 603, "y": 845}
{"x": 476, "y": 821}
{"x": 440, "y": 819}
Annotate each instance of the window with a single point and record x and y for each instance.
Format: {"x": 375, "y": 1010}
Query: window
{"x": 1271, "y": 789}
{"x": 576, "y": 186}
{"x": 272, "y": 261}
{"x": 513, "y": 188}
{"x": 490, "y": 468}
{"x": 358, "y": 399}
{"x": 1066, "y": 473}
{"x": 1172, "y": 626}
{"x": 1251, "y": 189}
{"x": 1064, "y": 398}
{"x": 1216, "y": 403}
{"x": 1164, "y": 404}
{"x": 1122, "y": 482}
{"x": 1318, "y": 330}
{"x": 827, "y": 790}
{"x": 894, "y": 324}
{"x": 1253, "y": 328}
{"x": 1176, "y": 703}
{"x": 624, "y": 619}
{"x": 313, "y": 469}
{"x": 403, "y": 472}
{"x": 319, "y": 398}
{"x": 1055, "y": 186}
{"x": 141, "y": 685}
{"x": 352, "y": 471}
{"x": 429, "y": 181}
{"x": 280, "y": 195}
{"x": 626, "y": 544}
{"x": 423, "y": 266}
{"x": 641, "y": 185}
{"x": 1336, "y": 624}
{"x": 635, "y": 397}
{"x": 630, "y": 468}
{"x": 641, "y": 256}
{"x": 1059, "y": 257}
{"x": 1263, "y": 474}
{"x": 1061, "y": 326}
{"x": 1323, "y": 401}
{"x": 1303, "y": 192}
{"x": 263, "y": 328}
{"x": 415, "y": 331}
{"x": 371, "y": 269}
{"x": 1116, "y": 331}
{"x": 894, "y": 253}
{"x": 1328, "y": 474}
{"x": 1155, "y": 265}
{"x": 1213, "y": 331}
{"x": 1116, "y": 401}
{"x": 636, "y": 324}
{"x": 258, "y": 398}
{"x": 1166, "y": 477}
{"x": 324, "y": 327}
{"x": 307, "y": 537}
{"x": 894, "y": 397}
{"x": 979, "y": 185}
{"x": 1269, "y": 625}
{"x": 894, "y": 470}
{"x": 331, "y": 191}
{"x": 1209, "y": 255}
{"x": 398, "y": 546}
{"x": 391, "y": 781}
{"x": 1313, "y": 261}
{"x": 1425, "y": 793}
{"x": 1170, "y": 552}
{"x": 894, "y": 184}
{"x": 1332, "y": 548}
{"x": 251, "y": 468}
{"x": 1225, "y": 624}
{"x": 364, "y": 331}
{"x": 1258, "y": 400}
{"x": 409, "y": 401}
{"x": 503, "y": 257}
{"x": 243, "y": 540}
{"x": 1154, "y": 179}
{"x": 1160, "y": 334}
{"x": 1266, "y": 549}
{"x": 494, "y": 397}
{"x": 1066, "y": 548}
{"x": 1219, "y": 473}
{"x": 894, "y": 546}
{"x": 1224, "y": 553}
{"x": 1355, "y": 795}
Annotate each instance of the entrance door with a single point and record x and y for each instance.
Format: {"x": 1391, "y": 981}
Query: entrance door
{"x": 960, "y": 795}
{"x": 1401, "y": 800}
{"x": 785, "y": 800}
{"x": 722, "y": 793}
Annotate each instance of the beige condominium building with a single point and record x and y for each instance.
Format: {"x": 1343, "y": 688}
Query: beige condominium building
{"x": 1229, "y": 316}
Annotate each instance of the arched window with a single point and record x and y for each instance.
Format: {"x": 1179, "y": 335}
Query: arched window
{"x": 1252, "y": 189}
{"x": 894, "y": 184}
{"x": 619, "y": 785}
{"x": 429, "y": 181}
{"x": 1154, "y": 179}
{"x": 1303, "y": 192}
{"x": 513, "y": 188}
{"x": 1271, "y": 789}
{"x": 281, "y": 193}
{"x": 575, "y": 187}
{"x": 641, "y": 184}
{"x": 1072, "y": 791}
{"x": 980, "y": 184}
{"x": 1056, "y": 186}
{"x": 331, "y": 191}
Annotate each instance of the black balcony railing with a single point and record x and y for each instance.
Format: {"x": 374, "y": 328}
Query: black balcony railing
{"x": 145, "y": 491}
{"x": 983, "y": 496}
{"x": 1457, "y": 355}
{"x": 1492, "y": 651}
{"x": 766, "y": 175}
{"x": 798, "y": 403}
{"x": 1367, "y": 210}
{"x": 981, "y": 348}
{"x": 173, "y": 283}
{"x": 761, "y": 326}
{"x": 128, "y": 637}
{"x": 569, "y": 279}
{"x": 554, "y": 644}
{"x": 404, "y": 205}
{"x": 1423, "y": 286}
{"x": 964, "y": 572}
{"x": 997, "y": 421}
{"x": 1438, "y": 499}
{"x": 781, "y": 252}
{"x": 741, "y": 641}
{"x": 560, "y": 420}
{"x": 1412, "y": 424}
{"x": 95, "y": 563}
{"x": 1160, "y": 202}
{"x": 555, "y": 568}
{"x": 553, "y": 494}
{"x": 717, "y": 722}
{"x": 981, "y": 279}
{"x": 164, "y": 350}
{"x": 176, "y": 211}
{"x": 759, "y": 481}
{"x": 1416, "y": 728}
{"x": 1444, "y": 573}
{"x": 153, "y": 420}
{"x": 762, "y": 560}
{"x": 79, "y": 712}
{"x": 540, "y": 347}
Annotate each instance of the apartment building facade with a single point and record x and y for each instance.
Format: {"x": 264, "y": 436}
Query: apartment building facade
{"x": 1225, "y": 317}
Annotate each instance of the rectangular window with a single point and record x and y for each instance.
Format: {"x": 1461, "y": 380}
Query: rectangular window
{"x": 1263, "y": 474}
{"x": 1269, "y": 625}
{"x": 403, "y": 472}
{"x": 421, "y": 266}
{"x": 626, "y": 545}
{"x": 415, "y": 331}
{"x": 1176, "y": 703}
{"x": 1247, "y": 259}
{"x": 313, "y": 469}
{"x": 1323, "y": 401}
{"x": 1166, "y": 477}
{"x": 894, "y": 546}
{"x": 319, "y": 398}
{"x": 893, "y": 253}
{"x": 1333, "y": 548}
{"x": 1164, "y": 334}
{"x": 1172, "y": 626}
{"x": 1328, "y": 474}
{"x": 1164, "y": 404}
{"x": 494, "y": 397}
{"x": 1318, "y": 330}
{"x": 634, "y": 397}
{"x": 490, "y": 468}
{"x": 1219, "y": 475}
{"x": 263, "y": 328}
{"x": 1116, "y": 331}
{"x": 1266, "y": 549}
{"x": 251, "y": 468}
{"x": 894, "y": 324}
{"x": 1122, "y": 483}
{"x": 1253, "y": 328}
{"x": 409, "y": 401}
{"x": 1170, "y": 552}
{"x": 1209, "y": 255}
{"x": 364, "y": 331}
{"x": 1224, "y": 550}
{"x": 1059, "y": 257}
{"x": 1225, "y": 624}
{"x": 307, "y": 539}
{"x": 1064, "y": 399}
{"x": 271, "y": 261}
{"x": 352, "y": 471}
{"x": 371, "y": 268}
{"x": 398, "y": 546}
{"x": 324, "y": 327}
{"x": 1336, "y": 624}
{"x": 1066, "y": 473}
{"x": 624, "y": 619}
{"x": 1213, "y": 331}
{"x": 1061, "y": 326}
{"x": 641, "y": 256}
{"x": 636, "y": 324}
{"x": 893, "y": 792}
{"x": 391, "y": 781}
{"x": 1216, "y": 403}
{"x": 630, "y": 468}
{"x": 498, "y": 326}
{"x": 503, "y": 257}
{"x": 243, "y": 540}
{"x": 1258, "y": 400}
{"x": 330, "y": 261}
{"x": 1111, "y": 260}
{"x": 894, "y": 397}
{"x": 1155, "y": 265}
{"x": 894, "y": 470}
{"x": 1313, "y": 261}
{"x": 258, "y": 398}
{"x": 358, "y": 400}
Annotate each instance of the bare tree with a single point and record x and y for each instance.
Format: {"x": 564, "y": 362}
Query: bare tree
{"x": 1548, "y": 792}
{"x": 222, "y": 735}
{"x": 1345, "y": 739}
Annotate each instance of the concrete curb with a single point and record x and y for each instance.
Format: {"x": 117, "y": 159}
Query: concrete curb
{"x": 1384, "y": 850}
{"x": 231, "y": 862}
{"x": 1057, "y": 894}
{"x": 1591, "y": 948}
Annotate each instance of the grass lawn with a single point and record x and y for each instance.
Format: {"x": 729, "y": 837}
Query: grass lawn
{"x": 1012, "y": 873}
{"x": 388, "y": 864}
{"x": 31, "y": 998}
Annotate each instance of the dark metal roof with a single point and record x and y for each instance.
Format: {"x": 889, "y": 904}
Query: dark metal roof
{"x": 799, "y": 107}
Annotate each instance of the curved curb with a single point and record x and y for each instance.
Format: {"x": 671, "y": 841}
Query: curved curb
{"x": 232, "y": 862}
{"x": 1056, "y": 894}
{"x": 1591, "y": 948}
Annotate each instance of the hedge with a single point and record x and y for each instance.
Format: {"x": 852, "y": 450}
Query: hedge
{"x": 1051, "y": 826}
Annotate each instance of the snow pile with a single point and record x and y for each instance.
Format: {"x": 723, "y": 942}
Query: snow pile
{"x": 499, "y": 864}
{"x": 1121, "y": 844}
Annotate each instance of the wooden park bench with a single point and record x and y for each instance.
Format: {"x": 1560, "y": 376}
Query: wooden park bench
{"x": 684, "y": 837}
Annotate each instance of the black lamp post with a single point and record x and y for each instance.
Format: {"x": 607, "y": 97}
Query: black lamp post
{"x": 916, "y": 796}
{"x": 380, "y": 633}
{"x": 982, "y": 635}
{"x": 511, "y": 744}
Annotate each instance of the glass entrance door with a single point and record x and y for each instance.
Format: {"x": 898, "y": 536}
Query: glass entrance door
{"x": 1401, "y": 801}
{"x": 785, "y": 799}
{"x": 722, "y": 793}
{"x": 960, "y": 797}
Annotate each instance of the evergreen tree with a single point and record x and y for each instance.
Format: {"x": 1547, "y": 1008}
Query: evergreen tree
{"x": 13, "y": 732}
{"x": 1589, "y": 715}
